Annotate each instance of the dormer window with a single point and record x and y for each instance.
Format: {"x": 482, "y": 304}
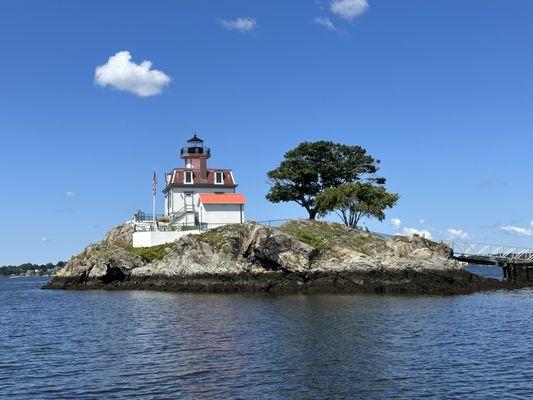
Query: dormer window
{"x": 219, "y": 178}
{"x": 188, "y": 177}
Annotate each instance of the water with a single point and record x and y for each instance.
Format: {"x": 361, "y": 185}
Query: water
{"x": 117, "y": 345}
{"x": 489, "y": 272}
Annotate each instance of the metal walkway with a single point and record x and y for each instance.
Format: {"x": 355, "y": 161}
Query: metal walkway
{"x": 491, "y": 254}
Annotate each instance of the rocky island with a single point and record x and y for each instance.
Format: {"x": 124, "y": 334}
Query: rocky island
{"x": 301, "y": 256}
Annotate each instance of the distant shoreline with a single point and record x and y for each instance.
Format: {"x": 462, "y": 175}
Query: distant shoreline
{"x": 30, "y": 269}
{"x": 25, "y": 276}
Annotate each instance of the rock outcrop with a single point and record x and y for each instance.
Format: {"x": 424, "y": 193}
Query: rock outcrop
{"x": 300, "y": 256}
{"x": 107, "y": 261}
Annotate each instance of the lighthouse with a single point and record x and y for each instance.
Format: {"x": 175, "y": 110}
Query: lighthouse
{"x": 196, "y": 195}
{"x": 197, "y": 198}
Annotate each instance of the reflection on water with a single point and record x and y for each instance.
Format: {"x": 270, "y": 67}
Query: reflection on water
{"x": 488, "y": 271}
{"x": 99, "y": 344}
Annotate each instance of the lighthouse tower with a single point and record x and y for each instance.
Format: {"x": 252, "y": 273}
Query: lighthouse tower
{"x": 196, "y": 155}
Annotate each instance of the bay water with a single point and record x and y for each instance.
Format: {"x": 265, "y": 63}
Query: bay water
{"x": 156, "y": 345}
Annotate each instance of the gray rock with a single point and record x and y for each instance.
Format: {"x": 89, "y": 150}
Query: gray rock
{"x": 120, "y": 234}
{"x": 107, "y": 261}
{"x": 301, "y": 256}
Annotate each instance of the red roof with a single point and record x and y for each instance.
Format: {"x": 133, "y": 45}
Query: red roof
{"x": 177, "y": 177}
{"x": 222, "y": 198}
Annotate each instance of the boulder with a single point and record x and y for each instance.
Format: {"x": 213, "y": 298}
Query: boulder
{"x": 107, "y": 261}
{"x": 276, "y": 250}
{"x": 120, "y": 234}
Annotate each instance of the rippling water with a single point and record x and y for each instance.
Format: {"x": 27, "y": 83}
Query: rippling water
{"x": 115, "y": 345}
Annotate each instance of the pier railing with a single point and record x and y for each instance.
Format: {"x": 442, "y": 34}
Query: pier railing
{"x": 491, "y": 251}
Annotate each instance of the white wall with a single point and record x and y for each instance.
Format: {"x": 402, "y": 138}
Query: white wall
{"x": 221, "y": 214}
{"x": 149, "y": 239}
{"x": 178, "y": 195}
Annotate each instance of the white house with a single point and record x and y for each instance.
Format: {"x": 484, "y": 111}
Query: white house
{"x": 196, "y": 198}
{"x": 220, "y": 209}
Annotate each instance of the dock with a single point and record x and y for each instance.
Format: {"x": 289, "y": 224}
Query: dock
{"x": 516, "y": 262}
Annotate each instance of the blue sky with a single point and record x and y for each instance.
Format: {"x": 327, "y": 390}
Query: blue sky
{"x": 440, "y": 91}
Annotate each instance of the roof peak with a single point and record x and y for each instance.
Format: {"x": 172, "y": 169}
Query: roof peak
{"x": 195, "y": 139}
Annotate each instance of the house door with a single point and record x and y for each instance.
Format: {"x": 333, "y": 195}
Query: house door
{"x": 189, "y": 201}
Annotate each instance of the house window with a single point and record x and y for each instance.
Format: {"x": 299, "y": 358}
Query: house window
{"x": 219, "y": 178}
{"x": 188, "y": 177}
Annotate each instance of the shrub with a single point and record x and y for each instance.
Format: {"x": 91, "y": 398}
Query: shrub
{"x": 148, "y": 254}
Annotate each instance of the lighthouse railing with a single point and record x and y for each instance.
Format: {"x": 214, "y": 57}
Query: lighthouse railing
{"x": 196, "y": 150}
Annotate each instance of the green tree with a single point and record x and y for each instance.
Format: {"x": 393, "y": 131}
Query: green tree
{"x": 355, "y": 200}
{"x": 314, "y": 166}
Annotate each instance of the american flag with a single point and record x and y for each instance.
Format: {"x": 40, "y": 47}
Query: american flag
{"x": 155, "y": 184}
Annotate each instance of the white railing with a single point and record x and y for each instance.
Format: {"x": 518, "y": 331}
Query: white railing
{"x": 491, "y": 251}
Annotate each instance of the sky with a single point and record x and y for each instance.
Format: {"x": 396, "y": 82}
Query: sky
{"x": 94, "y": 95}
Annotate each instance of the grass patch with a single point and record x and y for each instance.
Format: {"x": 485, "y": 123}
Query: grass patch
{"x": 210, "y": 237}
{"x": 312, "y": 240}
{"x": 324, "y": 236}
{"x": 148, "y": 254}
{"x": 218, "y": 239}
{"x": 319, "y": 237}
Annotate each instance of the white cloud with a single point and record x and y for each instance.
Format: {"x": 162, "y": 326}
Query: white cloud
{"x": 70, "y": 194}
{"x": 414, "y": 231}
{"x": 44, "y": 239}
{"x": 123, "y": 74}
{"x": 325, "y": 21}
{"x": 395, "y": 222}
{"x": 531, "y": 223}
{"x": 516, "y": 230}
{"x": 245, "y": 24}
{"x": 453, "y": 234}
{"x": 422, "y": 221}
{"x": 348, "y": 9}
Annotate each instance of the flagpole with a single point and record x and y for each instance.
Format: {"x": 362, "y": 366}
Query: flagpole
{"x": 153, "y": 209}
{"x": 153, "y": 200}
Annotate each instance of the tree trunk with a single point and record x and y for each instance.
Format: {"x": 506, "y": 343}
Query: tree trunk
{"x": 312, "y": 214}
